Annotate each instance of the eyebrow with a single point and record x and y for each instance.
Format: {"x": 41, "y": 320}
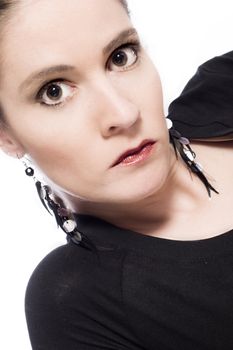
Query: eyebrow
{"x": 61, "y": 68}
{"x": 43, "y": 73}
{"x": 119, "y": 39}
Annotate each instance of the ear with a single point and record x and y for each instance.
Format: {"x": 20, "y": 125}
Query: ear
{"x": 10, "y": 145}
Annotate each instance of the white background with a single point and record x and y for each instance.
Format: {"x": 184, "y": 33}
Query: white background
{"x": 179, "y": 35}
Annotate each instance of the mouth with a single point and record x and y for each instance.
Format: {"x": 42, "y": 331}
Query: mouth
{"x": 135, "y": 155}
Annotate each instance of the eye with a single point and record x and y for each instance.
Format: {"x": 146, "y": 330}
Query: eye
{"x": 124, "y": 57}
{"x": 55, "y": 93}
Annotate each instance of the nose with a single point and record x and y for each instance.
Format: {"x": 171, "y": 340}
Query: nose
{"x": 117, "y": 113}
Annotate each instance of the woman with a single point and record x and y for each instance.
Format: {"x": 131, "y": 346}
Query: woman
{"x": 146, "y": 265}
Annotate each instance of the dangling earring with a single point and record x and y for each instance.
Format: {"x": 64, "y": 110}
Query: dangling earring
{"x": 182, "y": 146}
{"x": 61, "y": 214}
{"x": 63, "y": 217}
{"x": 29, "y": 171}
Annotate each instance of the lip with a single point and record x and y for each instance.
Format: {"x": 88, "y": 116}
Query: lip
{"x": 133, "y": 151}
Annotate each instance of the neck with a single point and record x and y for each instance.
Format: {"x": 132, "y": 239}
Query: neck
{"x": 180, "y": 197}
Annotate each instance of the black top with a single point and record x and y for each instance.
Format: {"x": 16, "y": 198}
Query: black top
{"x": 205, "y": 107}
{"x": 135, "y": 291}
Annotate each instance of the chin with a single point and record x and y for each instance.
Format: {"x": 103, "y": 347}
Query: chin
{"x": 136, "y": 190}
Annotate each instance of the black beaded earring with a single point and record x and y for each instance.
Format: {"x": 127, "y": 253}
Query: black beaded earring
{"x": 182, "y": 147}
{"x": 56, "y": 208}
{"x": 29, "y": 171}
{"x": 63, "y": 218}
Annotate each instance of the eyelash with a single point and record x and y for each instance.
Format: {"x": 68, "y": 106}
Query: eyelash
{"x": 134, "y": 45}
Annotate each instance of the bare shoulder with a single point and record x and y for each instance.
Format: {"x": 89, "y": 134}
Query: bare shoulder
{"x": 216, "y": 157}
{"x": 213, "y": 148}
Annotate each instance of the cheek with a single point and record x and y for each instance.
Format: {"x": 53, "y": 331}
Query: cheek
{"x": 43, "y": 131}
{"x": 59, "y": 148}
{"x": 57, "y": 152}
{"x": 154, "y": 90}
{"x": 67, "y": 167}
{"x": 149, "y": 89}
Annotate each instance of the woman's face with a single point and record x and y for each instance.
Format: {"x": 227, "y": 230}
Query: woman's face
{"x": 78, "y": 91}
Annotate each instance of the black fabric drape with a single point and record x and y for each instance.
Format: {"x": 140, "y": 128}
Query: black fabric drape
{"x": 205, "y": 107}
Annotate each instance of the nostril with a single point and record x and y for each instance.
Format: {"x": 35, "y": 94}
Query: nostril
{"x": 112, "y": 128}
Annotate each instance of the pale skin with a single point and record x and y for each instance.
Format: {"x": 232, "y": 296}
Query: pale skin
{"x": 104, "y": 109}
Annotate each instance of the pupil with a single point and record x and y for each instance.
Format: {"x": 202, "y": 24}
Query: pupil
{"x": 120, "y": 58}
{"x": 54, "y": 92}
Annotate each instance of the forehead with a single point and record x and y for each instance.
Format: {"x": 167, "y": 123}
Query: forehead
{"x": 49, "y": 31}
{"x": 34, "y": 14}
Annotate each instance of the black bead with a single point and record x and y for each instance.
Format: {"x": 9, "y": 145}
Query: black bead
{"x": 29, "y": 171}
